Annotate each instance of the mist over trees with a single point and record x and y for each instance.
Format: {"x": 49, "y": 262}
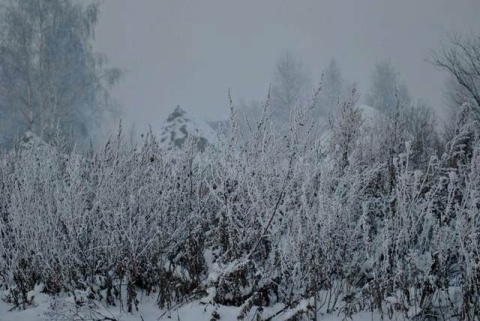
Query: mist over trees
{"x": 307, "y": 204}
{"x": 386, "y": 89}
{"x": 50, "y": 77}
{"x": 333, "y": 88}
{"x": 290, "y": 86}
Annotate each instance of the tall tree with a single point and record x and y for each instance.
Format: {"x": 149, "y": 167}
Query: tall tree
{"x": 49, "y": 73}
{"x": 386, "y": 90}
{"x": 333, "y": 89}
{"x": 460, "y": 58}
{"x": 290, "y": 84}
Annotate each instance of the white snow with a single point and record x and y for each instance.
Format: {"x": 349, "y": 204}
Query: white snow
{"x": 180, "y": 125}
{"x": 46, "y": 308}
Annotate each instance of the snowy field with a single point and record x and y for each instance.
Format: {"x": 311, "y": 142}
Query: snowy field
{"x": 46, "y": 308}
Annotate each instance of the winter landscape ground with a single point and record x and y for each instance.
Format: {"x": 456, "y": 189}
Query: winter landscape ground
{"x": 323, "y": 204}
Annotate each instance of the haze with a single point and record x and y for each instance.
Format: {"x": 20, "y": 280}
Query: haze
{"x": 189, "y": 53}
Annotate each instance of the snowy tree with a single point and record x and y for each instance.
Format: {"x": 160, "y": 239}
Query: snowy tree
{"x": 421, "y": 123}
{"x": 48, "y": 71}
{"x": 333, "y": 88}
{"x": 460, "y": 58}
{"x": 386, "y": 90}
{"x": 289, "y": 87}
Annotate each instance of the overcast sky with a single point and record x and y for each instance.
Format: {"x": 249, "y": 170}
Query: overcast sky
{"x": 190, "y": 52}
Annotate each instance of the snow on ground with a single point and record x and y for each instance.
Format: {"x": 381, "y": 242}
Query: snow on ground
{"x": 46, "y": 308}
{"x": 148, "y": 310}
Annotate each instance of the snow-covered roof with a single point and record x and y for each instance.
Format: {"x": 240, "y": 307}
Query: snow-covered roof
{"x": 180, "y": 125}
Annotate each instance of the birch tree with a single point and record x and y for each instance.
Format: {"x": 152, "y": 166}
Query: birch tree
{"x": 49, "y": 72}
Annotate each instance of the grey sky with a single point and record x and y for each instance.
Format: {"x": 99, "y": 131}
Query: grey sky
{"x": 190, "y": 52}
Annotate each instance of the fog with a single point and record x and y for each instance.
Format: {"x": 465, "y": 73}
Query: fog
{"x": 190, "y": 52}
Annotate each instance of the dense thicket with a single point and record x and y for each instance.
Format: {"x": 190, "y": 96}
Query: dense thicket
{"x": 357, "y": 215}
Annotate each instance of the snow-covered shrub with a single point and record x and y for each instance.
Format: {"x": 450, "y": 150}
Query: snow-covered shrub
{"x": 349, "y": 220}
